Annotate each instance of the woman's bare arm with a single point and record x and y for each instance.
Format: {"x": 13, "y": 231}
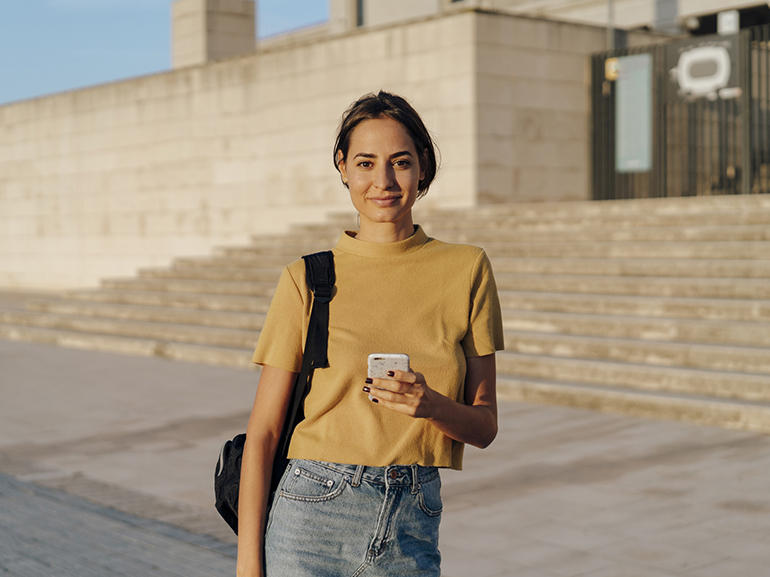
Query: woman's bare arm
{"x": 262, "y": 436}
{"x": 474, "y": 422}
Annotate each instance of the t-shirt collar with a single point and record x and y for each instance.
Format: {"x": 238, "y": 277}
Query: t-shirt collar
{"x": 348, "y": 243}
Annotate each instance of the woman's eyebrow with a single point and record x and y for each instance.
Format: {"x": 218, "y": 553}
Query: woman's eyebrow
{"x": 394, "y": 155}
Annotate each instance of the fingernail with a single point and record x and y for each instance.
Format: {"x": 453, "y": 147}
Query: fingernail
{"x": 367, "y": 389}
{"x": 391, "y": 373}
{"x": 368, "y": 381}
{"x": 375, "y": 400}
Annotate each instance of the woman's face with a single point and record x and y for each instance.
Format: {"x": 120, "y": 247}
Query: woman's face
{"x": 382, "y": 171}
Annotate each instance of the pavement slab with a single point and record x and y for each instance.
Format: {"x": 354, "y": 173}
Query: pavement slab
{"x": 45, "y": 532}
{"x": 106, "y": 466}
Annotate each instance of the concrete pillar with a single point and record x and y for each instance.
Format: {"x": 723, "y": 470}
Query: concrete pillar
{"x": 206, "y": 30}
{"x": 667, "y": 17}
{"x": 343, "y": 15}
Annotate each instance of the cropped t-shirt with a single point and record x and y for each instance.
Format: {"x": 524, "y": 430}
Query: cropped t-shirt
{"x": 437, "y": 302}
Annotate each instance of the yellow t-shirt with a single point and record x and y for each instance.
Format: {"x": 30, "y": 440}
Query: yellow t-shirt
{"x": 434, "y": 301}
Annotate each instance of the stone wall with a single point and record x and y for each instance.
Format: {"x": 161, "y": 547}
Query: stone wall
{"x": 100, "y": 181}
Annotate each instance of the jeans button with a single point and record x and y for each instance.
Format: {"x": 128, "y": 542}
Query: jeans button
{"x": 393, "y": 474}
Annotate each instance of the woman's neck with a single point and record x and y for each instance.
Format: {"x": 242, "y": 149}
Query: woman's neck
{"x": 386, "y": 231}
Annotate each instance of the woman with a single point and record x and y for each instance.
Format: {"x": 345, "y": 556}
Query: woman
{"x": 361, "y": 493}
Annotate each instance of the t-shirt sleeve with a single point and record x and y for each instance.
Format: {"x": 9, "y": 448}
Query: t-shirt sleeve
{"x": 485, "y": 326}
{"x": 281, "y": 340}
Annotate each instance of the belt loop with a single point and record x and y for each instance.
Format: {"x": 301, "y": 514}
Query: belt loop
{"x": 358, "y": 475}
{"x": 415, "y": 483}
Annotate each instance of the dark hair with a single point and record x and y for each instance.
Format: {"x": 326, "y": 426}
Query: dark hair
{"x": 386, "y": 105}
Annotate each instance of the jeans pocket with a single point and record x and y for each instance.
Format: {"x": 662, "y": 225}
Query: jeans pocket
{"x": 310, "y": 483}
{"x": 430, "y": 497}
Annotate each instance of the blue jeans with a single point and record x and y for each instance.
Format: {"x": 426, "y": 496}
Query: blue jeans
{"x": 336, "y": 520}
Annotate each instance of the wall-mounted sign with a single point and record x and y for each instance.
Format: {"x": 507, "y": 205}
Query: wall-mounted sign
{"x": 705, "y": 68}
{"x": 633, "y": 114}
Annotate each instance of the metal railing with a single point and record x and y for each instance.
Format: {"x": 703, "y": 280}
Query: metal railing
{"x": 701, "y": 145}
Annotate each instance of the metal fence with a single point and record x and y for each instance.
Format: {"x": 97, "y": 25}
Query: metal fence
{"x": 708, "y": 141}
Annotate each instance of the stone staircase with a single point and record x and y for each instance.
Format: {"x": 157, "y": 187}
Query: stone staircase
{"x": 650, "y": 307}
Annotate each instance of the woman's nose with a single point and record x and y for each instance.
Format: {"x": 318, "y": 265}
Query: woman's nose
{"x": 384, "y": 177}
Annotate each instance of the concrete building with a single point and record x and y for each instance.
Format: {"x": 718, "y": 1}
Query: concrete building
{"x": 101, "y": 181}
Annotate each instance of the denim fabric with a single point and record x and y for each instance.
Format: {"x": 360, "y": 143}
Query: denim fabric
{"x": 336, "y": 520}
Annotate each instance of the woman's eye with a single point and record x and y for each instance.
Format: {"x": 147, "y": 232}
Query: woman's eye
{"x": 364, "y": 164}
{"x": 402, "y": 163}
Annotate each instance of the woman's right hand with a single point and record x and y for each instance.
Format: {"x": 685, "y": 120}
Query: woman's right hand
{"x": 262, "y": 435}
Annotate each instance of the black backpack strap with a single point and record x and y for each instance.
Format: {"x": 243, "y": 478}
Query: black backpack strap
{"x": 319, "y": 273}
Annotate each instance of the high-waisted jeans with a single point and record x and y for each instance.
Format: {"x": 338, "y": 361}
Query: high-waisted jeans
{"x": 336, "y": 520}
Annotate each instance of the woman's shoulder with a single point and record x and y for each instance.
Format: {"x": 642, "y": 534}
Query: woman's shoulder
{"x": 451, "y": 250}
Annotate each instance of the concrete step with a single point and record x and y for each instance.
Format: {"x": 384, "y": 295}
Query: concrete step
{"x": 275, "y": 261}
{"x": 227, "y": 274}
{"x": 653, "y": 250}
{"x": 439, "y": 221}
{"x": 212, "y": 302}
{"x": 635, "y": 376}
{"x": 641, "y": 306}
{"x": 210, "y": 336}
{"x": 202, "y": 287}
{"x": 659, "y": 353}
{"x": 285, "y": 253}
{"x": 130, "y": 346}
{"x": 726, "y": 288}
{"x": 609, "y": 232}
{"x": 702, "y": 410}
{"x": 733, "y": 333}
{"x": 155, "y": 314}
{"x": 636, "y": 267}
{"x": 647, "y": 206}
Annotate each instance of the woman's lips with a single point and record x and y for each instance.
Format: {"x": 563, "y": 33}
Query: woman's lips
{"x": 385, "y": 200}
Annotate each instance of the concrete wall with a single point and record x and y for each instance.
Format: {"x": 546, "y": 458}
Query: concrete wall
{"x": 100, "y": 181}
{"x": 534, "y": 107}
{"x": 377, "y": 12}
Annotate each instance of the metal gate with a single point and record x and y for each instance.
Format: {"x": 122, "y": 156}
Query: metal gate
{"x": 702, "y": 94}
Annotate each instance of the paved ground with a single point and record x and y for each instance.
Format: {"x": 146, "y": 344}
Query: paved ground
{"x": 106, "y": 464}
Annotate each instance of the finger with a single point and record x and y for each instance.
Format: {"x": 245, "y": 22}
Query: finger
{"x": 386, "y": 396}
{"x": 392, "y": 394}
{"x": 403, "y": 376}
{"x": 389, "y": 385}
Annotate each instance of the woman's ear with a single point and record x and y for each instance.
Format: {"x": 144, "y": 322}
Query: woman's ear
{"x": 342, "y": 168}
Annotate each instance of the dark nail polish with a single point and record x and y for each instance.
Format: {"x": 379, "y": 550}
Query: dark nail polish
{"x": 391, "y": 373}
{"x": 375, "y": 400}
{"x": 367, "y": 389}
{"x": 368, "y": 381}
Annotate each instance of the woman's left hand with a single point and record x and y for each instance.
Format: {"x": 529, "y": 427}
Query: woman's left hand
{"x": 406, "y": 392}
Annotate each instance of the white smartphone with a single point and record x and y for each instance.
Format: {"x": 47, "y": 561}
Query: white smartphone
{"x": 381, "y": 363}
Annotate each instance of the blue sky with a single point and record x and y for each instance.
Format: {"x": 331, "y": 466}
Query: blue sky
{"x": 53, "y": 45}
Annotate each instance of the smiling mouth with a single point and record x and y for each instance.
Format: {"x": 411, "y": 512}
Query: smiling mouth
{"x": 385, "y": 200}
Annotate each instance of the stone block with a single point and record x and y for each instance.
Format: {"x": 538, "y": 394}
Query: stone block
{"x": 496, "y": 184}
